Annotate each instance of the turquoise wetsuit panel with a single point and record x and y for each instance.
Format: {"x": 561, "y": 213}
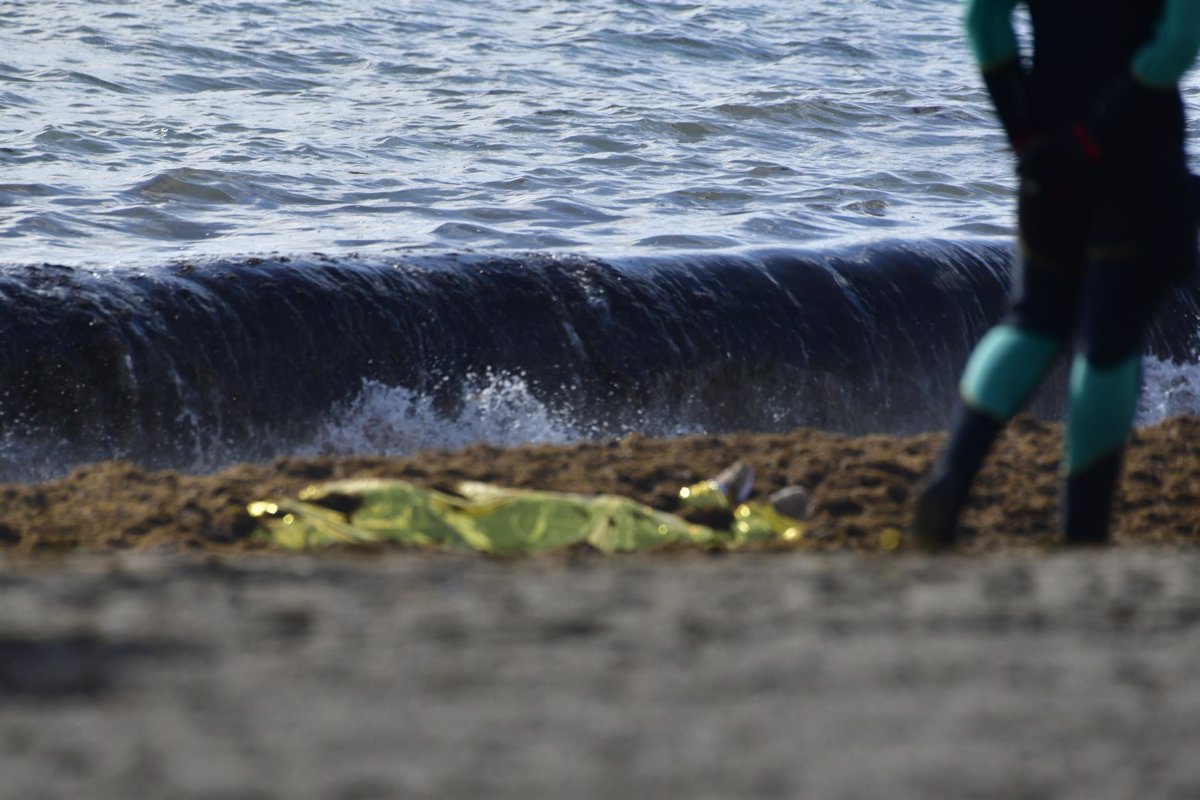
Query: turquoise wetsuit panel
{"x": 1007, "y": 365}
{"x": 1172, "y": 51}
{"x": 990, "y": 31}
{"x": 1102, "y": 402}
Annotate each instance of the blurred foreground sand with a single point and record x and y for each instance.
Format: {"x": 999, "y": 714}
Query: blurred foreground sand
{"x": 1067, "y": 675}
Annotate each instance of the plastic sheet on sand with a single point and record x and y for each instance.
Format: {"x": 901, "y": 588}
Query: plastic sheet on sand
{"x": 497, "y": 520}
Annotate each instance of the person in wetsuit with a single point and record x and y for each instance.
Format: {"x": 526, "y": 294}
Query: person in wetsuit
{"x": 1106, "y": 225}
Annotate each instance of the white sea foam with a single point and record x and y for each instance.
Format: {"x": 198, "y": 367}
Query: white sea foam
{"x": 395, "y": 421}
{"x": 498, "y": 409}
{"x": 502, "y": 410}
{"x": 1168, "y": 390}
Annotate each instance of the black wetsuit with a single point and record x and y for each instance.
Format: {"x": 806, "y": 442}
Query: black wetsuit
{"x": 1107, "y": 223}
{"x": 1098, "y": 256}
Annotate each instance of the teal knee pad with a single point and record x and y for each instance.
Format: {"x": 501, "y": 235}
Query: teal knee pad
{"x": 1007, "y": 365}
{"x": 1101, "y": 406}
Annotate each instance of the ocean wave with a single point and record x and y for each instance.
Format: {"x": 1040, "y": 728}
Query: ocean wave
{"x": 193, "y": 365}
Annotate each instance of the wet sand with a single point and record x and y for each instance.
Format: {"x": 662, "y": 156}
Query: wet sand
{"x": 147, "y": 649}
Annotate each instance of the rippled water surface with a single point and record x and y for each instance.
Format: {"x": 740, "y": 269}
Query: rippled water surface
{"x": 133, "y": 130}
{"x": 136, "y": 129}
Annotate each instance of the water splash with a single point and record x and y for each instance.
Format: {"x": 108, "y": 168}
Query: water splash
{"x": 1169, "y": 389}
{"x": 502, "y": 410}
{"x": 396, "y": 421}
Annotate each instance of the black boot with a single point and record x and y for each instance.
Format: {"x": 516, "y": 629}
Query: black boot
{"x": 1087, "y": 501}
{"x": 940, "y": 499}
{"x": 943, "y": 493}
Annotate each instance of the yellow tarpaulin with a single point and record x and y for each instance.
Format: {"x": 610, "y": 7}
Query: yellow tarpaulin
{"x": 493, "y": 519}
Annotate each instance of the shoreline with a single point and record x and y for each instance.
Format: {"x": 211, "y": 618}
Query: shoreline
{"x": 859, "y": 487}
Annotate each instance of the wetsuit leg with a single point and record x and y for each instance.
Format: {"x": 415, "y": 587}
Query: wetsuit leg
{"x": 1103, "y": 393}
{"x": 1008, "y": 363}
{"x": 1143, "y": 240}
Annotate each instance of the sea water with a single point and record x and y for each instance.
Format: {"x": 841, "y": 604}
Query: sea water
{"x": 139, "y": 130}
{"x": 135, "y": 133}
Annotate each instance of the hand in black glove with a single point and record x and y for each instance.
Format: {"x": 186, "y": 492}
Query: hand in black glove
{"x": 1008, "y": 86}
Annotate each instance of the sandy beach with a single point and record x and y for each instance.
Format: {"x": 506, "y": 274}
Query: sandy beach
{"x": 149, "y": 649}
{"x": 860, "y": 487}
